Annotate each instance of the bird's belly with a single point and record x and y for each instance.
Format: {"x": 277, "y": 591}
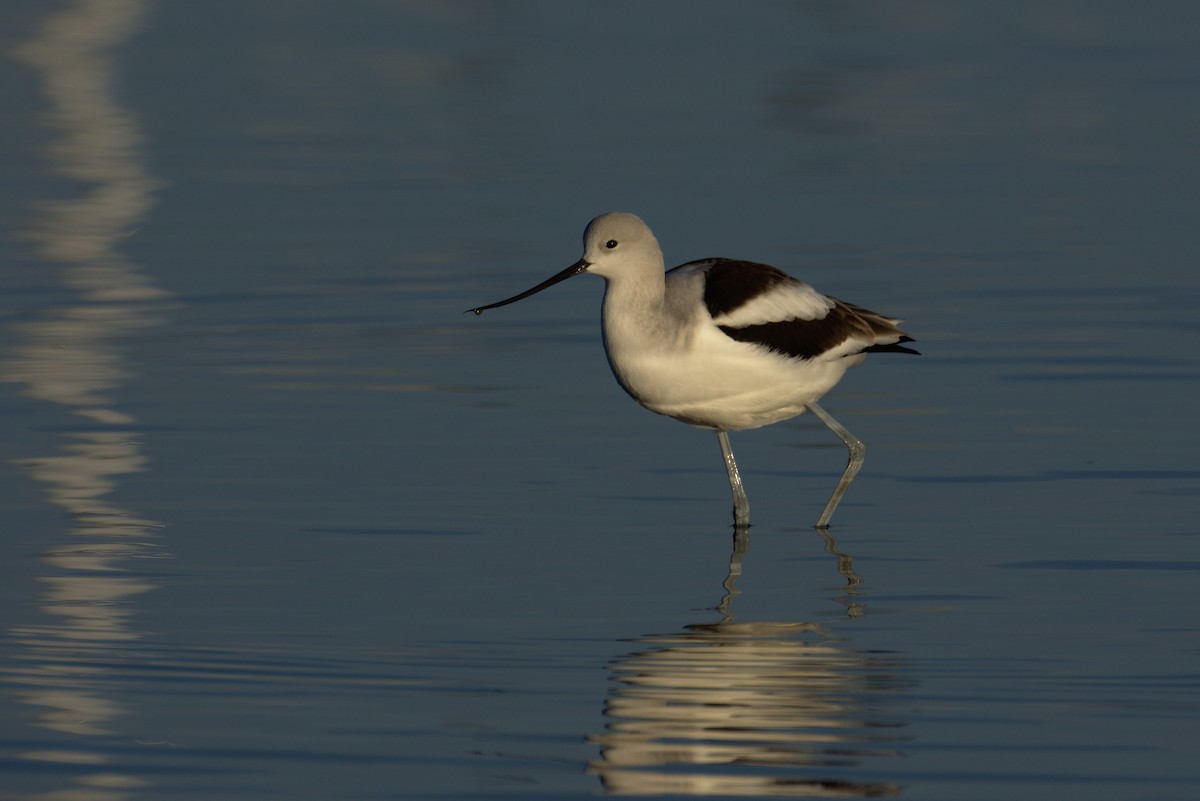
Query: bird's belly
{"x": 724, "y": 385}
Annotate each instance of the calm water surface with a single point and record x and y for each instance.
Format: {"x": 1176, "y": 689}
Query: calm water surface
{"x": 279, "y": 521}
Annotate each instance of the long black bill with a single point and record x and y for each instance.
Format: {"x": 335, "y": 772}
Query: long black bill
{"x": 573, "y": 270}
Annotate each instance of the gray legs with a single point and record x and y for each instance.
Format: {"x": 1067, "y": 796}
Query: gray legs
{"x": 858, "y": 452}
{"x": 741, "y": 506}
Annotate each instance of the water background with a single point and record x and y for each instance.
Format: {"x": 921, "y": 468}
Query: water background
{"x": 279, "y": 521}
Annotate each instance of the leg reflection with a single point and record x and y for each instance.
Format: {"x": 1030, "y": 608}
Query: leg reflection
{"x": 745, "y": 709}
{"x": 845, "y": 566}
{"x": 741, "y": 544}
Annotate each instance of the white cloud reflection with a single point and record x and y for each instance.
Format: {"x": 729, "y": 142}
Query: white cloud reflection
{"x": 71, "y": 357}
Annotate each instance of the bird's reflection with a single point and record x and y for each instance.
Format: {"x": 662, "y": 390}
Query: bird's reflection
{"x": 744, "y": 708}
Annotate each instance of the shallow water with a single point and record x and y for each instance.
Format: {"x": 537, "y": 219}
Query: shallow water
{"x": 279, "y": 521}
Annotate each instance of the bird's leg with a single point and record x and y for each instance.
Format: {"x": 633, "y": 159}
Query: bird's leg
{"x": 858, "y": 452}
{"x": 741, "y": 506}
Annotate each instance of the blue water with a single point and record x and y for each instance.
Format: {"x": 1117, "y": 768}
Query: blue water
{"x": 279, "y": 521}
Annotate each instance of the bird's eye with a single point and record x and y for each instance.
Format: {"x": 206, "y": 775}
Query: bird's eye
{"x": 610, "y": 244}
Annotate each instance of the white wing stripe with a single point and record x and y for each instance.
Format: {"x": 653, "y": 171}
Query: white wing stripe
{"x": 793, "y": 300}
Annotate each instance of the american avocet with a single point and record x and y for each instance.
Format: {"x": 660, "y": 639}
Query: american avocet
{"x": 721, "y": 343}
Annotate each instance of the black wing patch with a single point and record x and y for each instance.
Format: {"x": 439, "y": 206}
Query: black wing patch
{"x": 801, "y": 339}
{"x": 730, "y": 283}
{"x": 807, "y": 339}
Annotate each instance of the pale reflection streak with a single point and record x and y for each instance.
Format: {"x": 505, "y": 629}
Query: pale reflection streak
{"x": 71, "y": 357}
{"x": 750, "y": 709}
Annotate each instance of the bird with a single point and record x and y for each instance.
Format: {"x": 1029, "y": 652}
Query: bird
{"x": 723, "y": 344}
